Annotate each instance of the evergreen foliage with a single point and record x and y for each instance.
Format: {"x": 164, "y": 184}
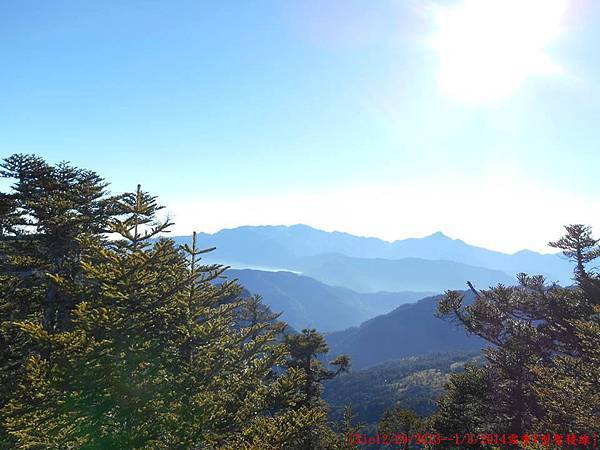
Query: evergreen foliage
{"x": 403, "y": 422}
{"x": 349, "y": 429}
{"x": 116, "y": 338}
{"x": 304, "y": 350}
{"x": 542, "y": 367}
{"x": 42, "y": 218}
{"x": 569, "y": 389}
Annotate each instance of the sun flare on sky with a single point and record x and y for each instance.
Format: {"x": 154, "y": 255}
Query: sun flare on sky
{"x": 488, "y": 48}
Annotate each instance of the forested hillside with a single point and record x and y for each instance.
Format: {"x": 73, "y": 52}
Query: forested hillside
{"x": 413, "y": 383}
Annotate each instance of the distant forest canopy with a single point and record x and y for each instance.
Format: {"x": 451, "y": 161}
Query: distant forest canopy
{"x": 134, "y": 342}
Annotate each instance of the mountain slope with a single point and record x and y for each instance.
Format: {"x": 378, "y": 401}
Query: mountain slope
{"x": 411, "y": 329}
{"x": 306, "y": 302}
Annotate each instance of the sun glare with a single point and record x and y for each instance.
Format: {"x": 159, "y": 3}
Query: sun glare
{"x": 487, "y": 48}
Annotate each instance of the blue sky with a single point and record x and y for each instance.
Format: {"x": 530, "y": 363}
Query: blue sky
{"x": 391, "y": 119}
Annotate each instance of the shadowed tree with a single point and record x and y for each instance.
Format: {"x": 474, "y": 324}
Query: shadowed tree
{"x": 43, "y": 217}
{"x": 569, "y": 388}
{"x": 533, "y": 329}
{"x": 47, "y": 211}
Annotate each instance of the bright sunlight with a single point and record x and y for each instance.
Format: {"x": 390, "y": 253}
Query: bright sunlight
{"x": 488, "y": 48}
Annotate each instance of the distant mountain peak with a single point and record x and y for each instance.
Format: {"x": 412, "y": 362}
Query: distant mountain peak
{"x": 301, "y": 226}
{"x": 438, "y": 235}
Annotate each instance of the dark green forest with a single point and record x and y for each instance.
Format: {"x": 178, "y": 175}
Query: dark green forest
{"x": 113, "y": 336}
{"x": 414, "y": 382}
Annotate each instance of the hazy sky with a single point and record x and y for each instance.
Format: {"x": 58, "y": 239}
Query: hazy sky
{"x": 479, "y": 118}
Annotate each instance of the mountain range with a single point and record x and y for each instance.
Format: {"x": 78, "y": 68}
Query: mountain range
{"x": 433, "y": 263}
{"x": 375, "y": 300}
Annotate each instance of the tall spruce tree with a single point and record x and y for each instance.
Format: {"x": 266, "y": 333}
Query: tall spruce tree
{"x": 46, "y": 211}
{"x": 349, "y": 429}
{"x": 305, "y": 349}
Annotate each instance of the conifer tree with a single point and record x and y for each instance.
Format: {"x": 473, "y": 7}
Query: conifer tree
{"x": 535, "y": 329}
{"x": 305, "y": 349}
{"x": 465, "y": 406}
{"x": 569, "y": 388}
{"x": 579, "y": 246}
{"x": 582, "y": 248}
{"x": 160, "y": 352}
{"x": 349, "y": 429}
{"x": 399, "y": 421}
{"x": 48, "y": 209}
{"x": 42, "y": 218}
